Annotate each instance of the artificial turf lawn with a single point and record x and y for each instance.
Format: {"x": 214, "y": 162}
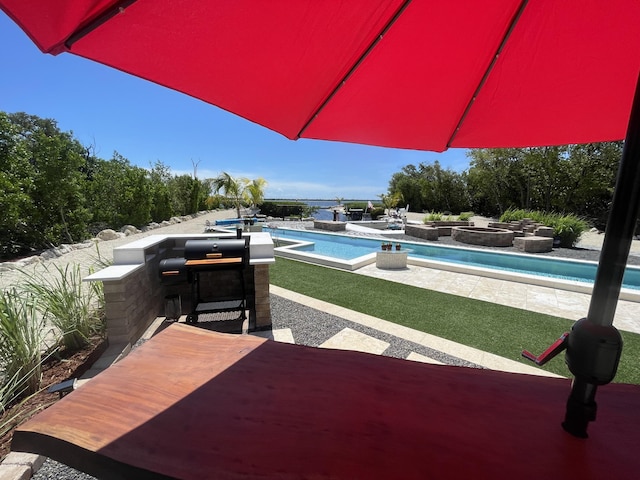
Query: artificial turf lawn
{"x": 498, "y": 329}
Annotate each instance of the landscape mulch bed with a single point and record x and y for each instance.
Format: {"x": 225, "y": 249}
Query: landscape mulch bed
{"x": 58, "y": 368}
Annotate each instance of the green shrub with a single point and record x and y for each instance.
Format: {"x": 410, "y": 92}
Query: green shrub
{"x": 433, "y": 217}
{"x": 71, "y": 306}
{"x": 566, "y": 227}
{"x": 286, "y": 208}
{"x": 377, "y": 212}
{"x": 513, "y": 215}
{"x": 569, "y": 228}
{"x": 465, "y": 216}
{"x": 21, "y": 336}
{"x": 350, "y": 205}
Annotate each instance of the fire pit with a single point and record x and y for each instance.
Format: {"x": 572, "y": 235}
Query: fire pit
{"x": 487, "y": 236}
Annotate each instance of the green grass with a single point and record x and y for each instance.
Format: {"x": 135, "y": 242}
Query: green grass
{"x": 498, "y": 329}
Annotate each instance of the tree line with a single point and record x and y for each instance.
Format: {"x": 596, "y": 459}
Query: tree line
{"x": 576, "y": 179}
{"x": 55, "y": 190}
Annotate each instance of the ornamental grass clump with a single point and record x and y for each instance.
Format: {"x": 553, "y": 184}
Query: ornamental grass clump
{"x": 72, "y": 307}
{"x": 21, "y": 335}
{"x": 434, "y": 217}
{"x": 566, "y": 227}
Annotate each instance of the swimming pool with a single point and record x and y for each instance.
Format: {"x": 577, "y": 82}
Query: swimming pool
{"x": 359, "y": 251}
{"x": 230, "y": 221}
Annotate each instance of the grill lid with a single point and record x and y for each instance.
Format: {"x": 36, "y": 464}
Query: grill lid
{"x": 201, "y": 255}
{"x": 173, "y": 270}
{"x": 217, "y": 250}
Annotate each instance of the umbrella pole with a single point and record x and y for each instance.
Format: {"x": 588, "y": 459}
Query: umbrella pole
{"x": 594, "y": 345}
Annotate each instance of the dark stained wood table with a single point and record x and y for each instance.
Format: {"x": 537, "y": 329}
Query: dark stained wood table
{"x": 194, "y": 404}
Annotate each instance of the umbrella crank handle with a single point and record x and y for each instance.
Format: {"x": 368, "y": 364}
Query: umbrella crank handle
{"x": 556, "y": 347}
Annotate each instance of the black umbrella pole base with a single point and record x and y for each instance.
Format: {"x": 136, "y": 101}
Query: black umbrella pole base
{"x": 581, "y": 409}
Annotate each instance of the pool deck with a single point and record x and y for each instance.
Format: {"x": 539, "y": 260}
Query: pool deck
{"x": 561, "y": 303}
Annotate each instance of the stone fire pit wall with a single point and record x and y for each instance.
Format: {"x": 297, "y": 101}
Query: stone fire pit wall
{"x": 329, "y": 225}
{"x": 134, "y": 295}
{"x": 444, "y": 226}
{"x": 490, "y": 237}
{"x": 421, "y": 231}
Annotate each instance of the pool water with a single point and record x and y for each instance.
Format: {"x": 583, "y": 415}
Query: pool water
{"x": 348, "y": 248}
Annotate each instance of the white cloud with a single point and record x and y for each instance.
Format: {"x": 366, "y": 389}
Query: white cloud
{"x": 300, "y": 189}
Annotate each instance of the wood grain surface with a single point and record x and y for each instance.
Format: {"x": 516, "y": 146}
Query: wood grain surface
{"x": 196, "y": 404}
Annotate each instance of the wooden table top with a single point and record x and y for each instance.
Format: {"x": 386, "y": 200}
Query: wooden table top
{"x": 196, "y": 404}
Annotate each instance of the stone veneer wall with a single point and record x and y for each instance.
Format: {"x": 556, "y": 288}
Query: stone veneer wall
{"x": 132, "y": 304}
{"x": 491, "y": 237}
{"x": 261, "y": 297}
{"x": 444, "y": 226}
{"x": 330, "y": 226}
{"x": 421, "y": 231}
{"x": 133, "y": 301}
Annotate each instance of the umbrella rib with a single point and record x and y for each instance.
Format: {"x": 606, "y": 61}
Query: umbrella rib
{"x": 355, "y": 66}
{"x": 512, "y": 26}
{"x": 102, "y": 18}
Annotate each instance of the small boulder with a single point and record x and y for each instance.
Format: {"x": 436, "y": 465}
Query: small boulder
{"x": 129, "y": 230}
{"x": 109, "y": 234}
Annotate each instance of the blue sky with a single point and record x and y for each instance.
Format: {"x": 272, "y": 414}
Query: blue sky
{"x": 145, "y": 123}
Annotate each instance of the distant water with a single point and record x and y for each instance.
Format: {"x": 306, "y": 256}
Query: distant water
{"x": 323, "y": 213}
{"x": 319, "y": 203}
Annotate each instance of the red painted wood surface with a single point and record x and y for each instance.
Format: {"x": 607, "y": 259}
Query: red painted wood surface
{"x": 195, "y": 404}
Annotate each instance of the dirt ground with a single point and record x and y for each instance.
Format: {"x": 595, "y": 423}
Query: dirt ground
{"x": 58, "y": 368}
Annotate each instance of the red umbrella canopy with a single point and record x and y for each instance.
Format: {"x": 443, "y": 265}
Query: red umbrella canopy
{"x": 419, "y": 74}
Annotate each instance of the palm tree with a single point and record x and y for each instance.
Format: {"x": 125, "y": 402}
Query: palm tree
{"x": 256, "y": 191}
{"x": 240, "y": 190}
{"x": 390, "y": 200}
